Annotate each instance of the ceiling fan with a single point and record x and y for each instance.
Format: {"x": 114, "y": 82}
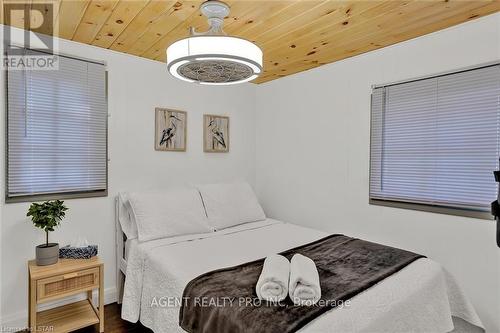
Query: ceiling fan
{"x": 212, "y": 57}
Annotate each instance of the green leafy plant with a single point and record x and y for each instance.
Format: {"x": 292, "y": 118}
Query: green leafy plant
{"x": 47, "y": 215}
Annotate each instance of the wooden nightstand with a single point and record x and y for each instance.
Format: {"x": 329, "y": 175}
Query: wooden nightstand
{"x": 67, "y": 277}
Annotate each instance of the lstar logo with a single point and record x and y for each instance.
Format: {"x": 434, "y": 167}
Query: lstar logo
{"x": 28, "y": 31}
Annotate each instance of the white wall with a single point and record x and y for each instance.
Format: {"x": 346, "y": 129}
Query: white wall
{"x": 313, "y": 156}
{"x": 136, "y": 87}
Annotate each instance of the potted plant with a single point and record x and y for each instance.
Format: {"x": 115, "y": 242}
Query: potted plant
{"x": 47, "y": 216}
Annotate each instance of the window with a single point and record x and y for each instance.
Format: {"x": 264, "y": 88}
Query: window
{"x": 57, "y": 131}
{"x": 435, "y": 142}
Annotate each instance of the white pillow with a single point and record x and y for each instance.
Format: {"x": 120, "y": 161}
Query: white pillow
{"x": 125, "y": 216}
{"x": 228, "y": 205}
{"x": 167, "y": 213}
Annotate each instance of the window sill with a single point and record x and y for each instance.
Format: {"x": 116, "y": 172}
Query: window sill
{"x": 56, "y": 196}
{"x": 433, "y": 209}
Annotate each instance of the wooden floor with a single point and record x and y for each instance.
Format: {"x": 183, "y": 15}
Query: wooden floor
{"x": 114, "y": 324}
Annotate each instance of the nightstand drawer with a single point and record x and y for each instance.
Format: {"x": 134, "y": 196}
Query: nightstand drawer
{"x": 67, "y": 284}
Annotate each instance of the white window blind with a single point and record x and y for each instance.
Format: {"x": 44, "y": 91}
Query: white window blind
{"x": 57, "y": 130}
{"x": 436, "y": 141}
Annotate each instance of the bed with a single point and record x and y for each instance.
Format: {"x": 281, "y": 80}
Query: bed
{"x": 422, "y": 297}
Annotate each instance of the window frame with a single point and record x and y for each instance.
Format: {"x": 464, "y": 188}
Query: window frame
{"x": 54, "y": 195}
{"x": 413, "y": 205}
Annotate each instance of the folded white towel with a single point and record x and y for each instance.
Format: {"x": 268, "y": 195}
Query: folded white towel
{"x": 304, "y": 288}
{"x": 273, "y": 280}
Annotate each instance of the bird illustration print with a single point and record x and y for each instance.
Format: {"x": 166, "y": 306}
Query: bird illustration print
{"x": 217, "y": 135}
{"x": 169, "y": 132}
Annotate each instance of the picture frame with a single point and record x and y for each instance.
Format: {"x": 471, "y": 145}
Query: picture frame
{"x": 170, "y": 129}
{"x": 215, "y": 133}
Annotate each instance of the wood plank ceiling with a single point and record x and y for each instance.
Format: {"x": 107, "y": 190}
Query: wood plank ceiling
{"x": 294, "y": 35}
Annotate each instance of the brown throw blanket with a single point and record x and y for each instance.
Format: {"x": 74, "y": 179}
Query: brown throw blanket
{"x": 224, "y": 300}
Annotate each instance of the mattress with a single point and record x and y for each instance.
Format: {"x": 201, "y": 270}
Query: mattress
{"x": 422, "y": 297}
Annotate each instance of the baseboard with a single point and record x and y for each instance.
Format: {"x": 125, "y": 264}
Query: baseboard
{"x": 19, "y": 320}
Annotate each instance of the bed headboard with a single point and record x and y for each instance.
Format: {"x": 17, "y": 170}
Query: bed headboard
{"x": 121, "y": 263}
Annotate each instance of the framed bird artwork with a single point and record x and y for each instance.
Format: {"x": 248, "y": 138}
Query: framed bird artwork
{"x": 170, "y": 130}
{"x": 215, "y": 134}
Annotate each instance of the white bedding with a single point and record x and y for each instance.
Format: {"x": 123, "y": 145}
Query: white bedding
{"x": 422, "y": 297}
{"x": 129, "y": 244}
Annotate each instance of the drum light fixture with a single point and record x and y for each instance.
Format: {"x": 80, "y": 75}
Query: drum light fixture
{"x": 213, "y": 57}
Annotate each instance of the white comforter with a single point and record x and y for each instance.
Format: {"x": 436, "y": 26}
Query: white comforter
{"x": 422, "y": 297}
